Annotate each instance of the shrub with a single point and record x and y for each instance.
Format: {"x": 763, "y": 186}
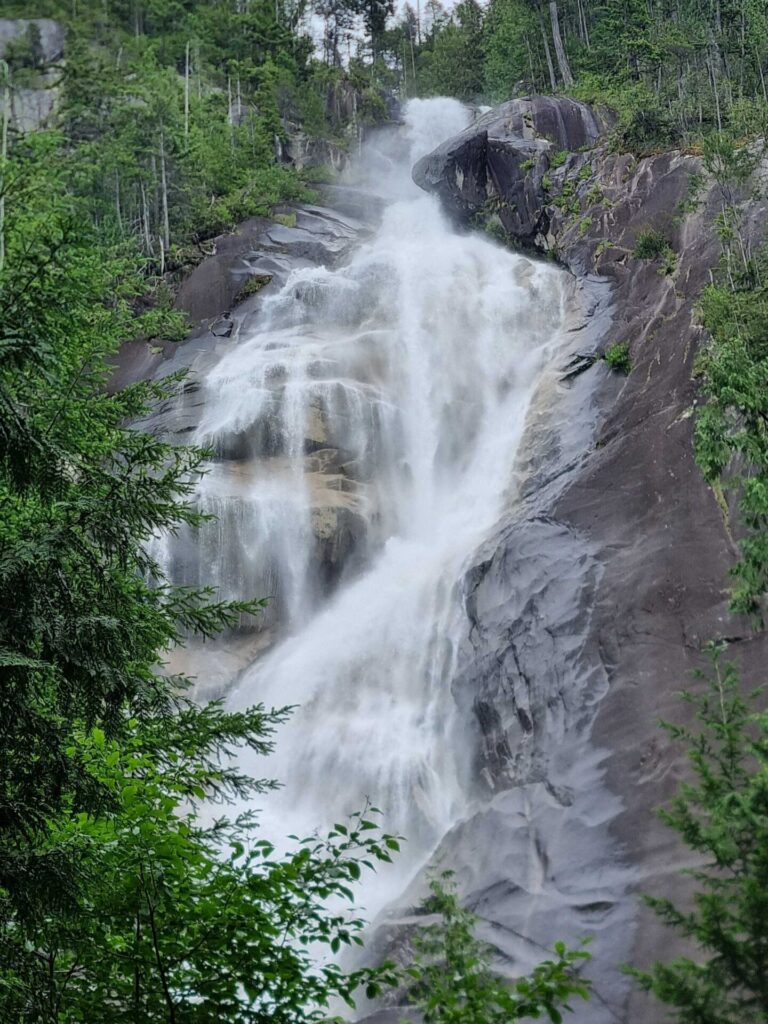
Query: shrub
{"x": 452, "y": 980}
{"x": 617, "y": 357}
{"x": 558, "y": 159}
{"x": 644, "y": 131}
{"x": 650, "y": 244}
{"x": 720, "y": 816}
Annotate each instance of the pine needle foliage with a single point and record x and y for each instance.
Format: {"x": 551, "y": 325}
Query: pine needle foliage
{"x": 722, "y": 816}
{"x": 122, "y": 898}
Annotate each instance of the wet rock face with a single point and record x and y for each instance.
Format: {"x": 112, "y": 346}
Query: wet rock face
{"x": 505, "y": 155}
{"x": 225, "y": 297}
{"x": 224, "y": 294}
{"x": 624, "y": 562}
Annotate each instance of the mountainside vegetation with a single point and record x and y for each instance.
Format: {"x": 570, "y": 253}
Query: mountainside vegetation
{"x": 673, "y": 68}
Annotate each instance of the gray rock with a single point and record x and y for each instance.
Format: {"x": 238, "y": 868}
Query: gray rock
{"x": 34, "y": 102}
{"x": 48, "y": 36}
{"x": 210, "y": 293}
{"x": 504, "y": 156}
{"x": 623, "y": 567}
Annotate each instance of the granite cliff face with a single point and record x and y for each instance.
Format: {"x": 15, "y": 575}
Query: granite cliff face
{"x": 590, "y": 598}
{"x": 33, "y": 103}
{"x": 592, "y": 607}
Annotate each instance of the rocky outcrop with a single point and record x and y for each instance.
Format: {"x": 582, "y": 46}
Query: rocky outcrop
{"x": 499, "y": 164}
{"x": 224, "y": 293}
{"x": 589, "y": 610}
{"x": 37, "y": 44}
{"x": 224, "y": 297}
{"x": 349, "y": 115}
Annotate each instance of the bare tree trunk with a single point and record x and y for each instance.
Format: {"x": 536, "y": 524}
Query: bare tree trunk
{"x": 164, "y": 187}
{"x": 4, "y": 152}
{"x": 186, "y": 95}
{"x": 583, "y": 27}
{"x": 548, "y": 54}
{"x": 713, "y": 79}
{"x": 118, "y": 207}
{"x": 562, "y": 58}
{"x": 762, "y": 76}
{"x": 145, "y": 221}
{"x": 530, "y": 61}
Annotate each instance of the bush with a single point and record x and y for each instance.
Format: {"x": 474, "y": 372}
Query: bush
{"x": 643, "y": 132}
{"x": 452, "y": 981}
{"x": 650, "y": 244}
{"x": 720, "y": 815}
{"x": 558, "y": 159}
{"x": 617, "y": 357}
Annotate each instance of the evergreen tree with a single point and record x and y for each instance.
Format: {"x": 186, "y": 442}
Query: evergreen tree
{"x": 117, "y": 900}
{"x": 722, "y": 816}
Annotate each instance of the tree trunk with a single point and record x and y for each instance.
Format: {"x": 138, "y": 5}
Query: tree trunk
{"x": 164, "y": 195}
{"x": 4, "y": 153}
{"x": 583, "y": 29}
{"x": 562, "y": 58}
{"x": 150, "y": 250}
{"x": 548, "y": 54}
{"x": 713, "y": 79}
{"x": 759, "y": 61}
{"x": 186, "y": 94}
{"x": 118, "y": 206}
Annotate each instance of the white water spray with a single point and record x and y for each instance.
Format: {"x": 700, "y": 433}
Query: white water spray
{"x": 391, "y": 394}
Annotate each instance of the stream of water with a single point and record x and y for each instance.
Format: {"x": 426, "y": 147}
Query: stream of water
{"x": 387, "y": 397}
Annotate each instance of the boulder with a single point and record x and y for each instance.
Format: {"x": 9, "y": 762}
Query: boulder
{"x": 498, "y": 164}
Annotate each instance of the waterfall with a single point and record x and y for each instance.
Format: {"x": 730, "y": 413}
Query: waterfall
{"x": 377, "y": 412}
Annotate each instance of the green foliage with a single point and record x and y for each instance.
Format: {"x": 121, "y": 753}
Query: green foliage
{"x": 118, "y": 895}
{"x": 170, "y": 113}
{"x": 650, "y": 244}
{"x": 508, "y": 30}
{"x": 453, "y": 65}
{"x": 730, "y": 437}
{"x": 731, "y": 443}
{"x": 643, "y": 131}
{"x": 617, "y": 357}
{"x": 557, "y": 159}
{"x": 181, "y": 920}
{"x": 722, "y": 817}
{"x": 452, "y": 981}
{"x": 568, "y": 199}
{"x": 670, "y": 75}
{"x": 252, "y": 285}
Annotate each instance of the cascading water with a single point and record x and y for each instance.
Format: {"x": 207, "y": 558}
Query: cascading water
{"x": 388, "y": 399}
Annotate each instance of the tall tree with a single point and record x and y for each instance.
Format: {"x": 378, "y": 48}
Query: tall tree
{"x": 562, "y": 58}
